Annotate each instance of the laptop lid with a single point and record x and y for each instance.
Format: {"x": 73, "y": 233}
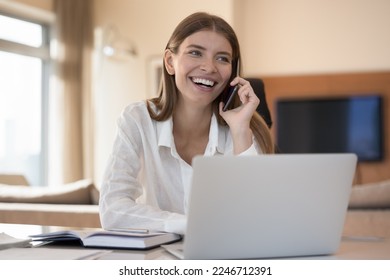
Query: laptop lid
{"x": 268, "y": 205}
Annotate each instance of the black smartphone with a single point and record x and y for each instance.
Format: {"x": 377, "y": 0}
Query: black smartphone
{"x": 228, "y": 98}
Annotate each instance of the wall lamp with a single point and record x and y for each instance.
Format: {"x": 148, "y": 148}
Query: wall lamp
{"x": 115, "y": 45}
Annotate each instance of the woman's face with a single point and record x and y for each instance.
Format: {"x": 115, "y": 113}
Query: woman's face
{"x": 202, "y": 67}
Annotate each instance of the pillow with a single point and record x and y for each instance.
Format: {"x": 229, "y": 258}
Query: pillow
{"x": 372, "y": 195}
{"x": 73, "y": 193}
{"x": 95, "y": 195}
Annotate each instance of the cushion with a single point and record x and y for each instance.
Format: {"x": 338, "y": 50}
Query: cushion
{"x": 13, "y": 179}
{"x": 372, "y": 195}
{"x": 78, "y": 192}
{"x": 95, "y": 195}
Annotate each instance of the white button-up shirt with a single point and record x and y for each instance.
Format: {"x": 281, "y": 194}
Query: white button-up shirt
{"x": 146, "y": 183}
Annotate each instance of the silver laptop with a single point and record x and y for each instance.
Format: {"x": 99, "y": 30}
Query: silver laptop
{"x": 267, "y": 206}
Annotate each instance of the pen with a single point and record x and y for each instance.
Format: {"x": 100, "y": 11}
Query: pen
{"x": 130, "y": 230}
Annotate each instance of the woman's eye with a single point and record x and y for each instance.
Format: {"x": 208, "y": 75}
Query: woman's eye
{"x": 195, "y": 53}
{"x": 224, "y": 59}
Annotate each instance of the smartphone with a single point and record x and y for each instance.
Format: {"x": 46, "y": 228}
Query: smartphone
{"x": 229, "y": 97}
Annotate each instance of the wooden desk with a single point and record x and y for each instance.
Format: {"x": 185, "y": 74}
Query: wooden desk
{"x": 361, "y": 248}
{"x": 350, "y": 249}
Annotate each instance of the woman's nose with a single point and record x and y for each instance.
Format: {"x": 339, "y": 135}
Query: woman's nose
{"x": 208, "y": 65}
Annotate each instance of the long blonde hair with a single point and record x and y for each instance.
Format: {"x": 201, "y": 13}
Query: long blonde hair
{"x": 168, "y": 93}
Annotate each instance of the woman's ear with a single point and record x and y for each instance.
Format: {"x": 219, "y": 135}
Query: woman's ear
{"x": 168, "y": 61}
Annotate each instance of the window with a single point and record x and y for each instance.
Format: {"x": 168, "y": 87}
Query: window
{"x": 24, "y": 64}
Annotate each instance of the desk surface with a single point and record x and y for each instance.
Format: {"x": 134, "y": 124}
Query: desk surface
{"x": 351, "y": 248}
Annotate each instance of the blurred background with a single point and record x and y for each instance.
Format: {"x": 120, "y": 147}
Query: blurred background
{"x": 69, "y": 67}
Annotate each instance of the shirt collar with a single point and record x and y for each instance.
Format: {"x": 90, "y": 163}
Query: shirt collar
{"x": 217, "y": 136}
{"x": 164, "y": 133}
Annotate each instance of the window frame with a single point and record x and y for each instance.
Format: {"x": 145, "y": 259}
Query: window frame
{"x": 42, "y": 52}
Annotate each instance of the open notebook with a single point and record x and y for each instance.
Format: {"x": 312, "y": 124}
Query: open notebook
{"x": 267, "y": 206}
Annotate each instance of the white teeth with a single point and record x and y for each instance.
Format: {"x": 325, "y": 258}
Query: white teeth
{"x": 203, "y": 81}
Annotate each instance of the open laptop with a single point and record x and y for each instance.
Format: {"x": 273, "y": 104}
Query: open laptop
{"x": 267, "y": 206}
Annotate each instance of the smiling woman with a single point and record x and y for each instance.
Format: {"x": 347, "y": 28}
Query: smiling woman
{"x": 202, "y": 67}
{"x": 148, "y": 175}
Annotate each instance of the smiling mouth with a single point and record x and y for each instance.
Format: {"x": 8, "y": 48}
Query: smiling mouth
{"x": 203, "y": 82}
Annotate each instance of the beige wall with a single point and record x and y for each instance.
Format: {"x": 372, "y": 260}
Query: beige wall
{"x": 41, "y": 4}
{"x": 283, "y": 37}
